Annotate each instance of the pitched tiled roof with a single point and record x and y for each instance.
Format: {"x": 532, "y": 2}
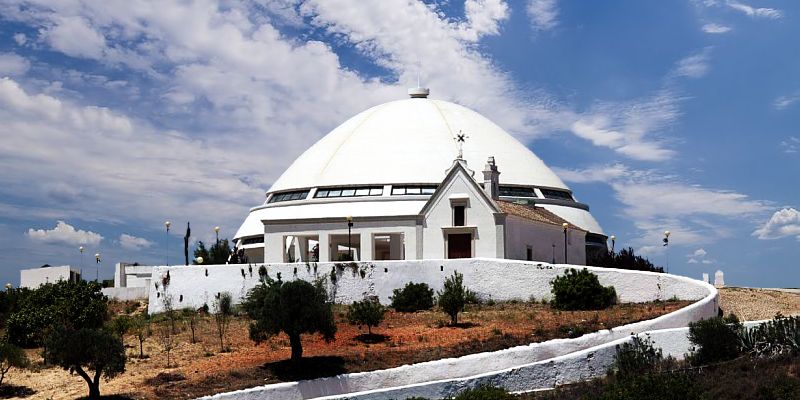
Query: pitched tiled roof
{"x": 533, "y": 213}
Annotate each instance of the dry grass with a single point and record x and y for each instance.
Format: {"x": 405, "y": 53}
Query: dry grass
{"x": 201, "y": 369}
{"x": 757, "y": 304}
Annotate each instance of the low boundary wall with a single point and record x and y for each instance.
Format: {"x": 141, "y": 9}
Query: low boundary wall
{"x": 126, "y": 293}
{"x": 489, "y": 278}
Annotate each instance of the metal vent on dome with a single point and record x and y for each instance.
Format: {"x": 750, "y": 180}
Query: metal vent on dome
{"x": 419, "y": 92}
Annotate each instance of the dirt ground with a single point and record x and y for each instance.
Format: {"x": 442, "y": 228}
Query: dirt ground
{"x": 201, "y": 369}
{"x": 757, "y": 304}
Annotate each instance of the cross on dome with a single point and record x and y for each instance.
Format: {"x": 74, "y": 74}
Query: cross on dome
{"x": 460, "y": 139}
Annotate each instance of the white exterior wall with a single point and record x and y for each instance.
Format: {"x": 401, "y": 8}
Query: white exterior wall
{"x": 365, "y": 229}
{"x": 521, "y": 233}
{"x": 538, "y": 365}
{"x": 34, "y": 277}
{"x": 478, "y": 214}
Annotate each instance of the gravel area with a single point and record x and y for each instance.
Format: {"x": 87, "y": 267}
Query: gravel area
{"x": 751, "y": 304}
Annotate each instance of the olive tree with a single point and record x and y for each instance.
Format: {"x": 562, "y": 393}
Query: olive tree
{"x": 453, "y": 297}
{"x": 223, "y": 311}
{"x": 294, "y": 307}
{"x": 367, "y": 312}
{"x": 90, "y": 353}
{"x": 11, "y": 356}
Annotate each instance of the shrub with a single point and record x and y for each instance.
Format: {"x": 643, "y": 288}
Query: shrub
{"x": 140, "y": 327}
{"x": 453, "y": 296}
{"x": 781, "y": 336}
{"x": 412, "y": 297}
{"x": 484, "y": 392}
{"x": 581, "y": 290}
{"x": 714, "y": 339}
{"x": 223, "y": 311}
{"x": 625, "y": 259}
{"x": 63, "y": 304}
{"x": 639, "y": 357}
{"x": 366, "y": 312}
{"x": 11, "y": 356}
{"x": 120, "y": 325}
{"x": 295, "y": 308}
{"x": 87, "y": 351}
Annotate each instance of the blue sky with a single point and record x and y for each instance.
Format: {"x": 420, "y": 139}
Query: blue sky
{"x": 661, "y": 115}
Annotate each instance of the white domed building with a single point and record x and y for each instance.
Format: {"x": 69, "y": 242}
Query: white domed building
{"x": 398, "y": 181}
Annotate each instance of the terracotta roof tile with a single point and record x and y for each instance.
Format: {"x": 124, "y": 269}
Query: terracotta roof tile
{"x": 533, "y": 213}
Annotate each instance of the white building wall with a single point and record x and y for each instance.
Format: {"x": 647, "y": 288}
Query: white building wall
{"x": 362, "y": 228}
{"x": 478, "y": 214}
{"x": 521, "y": 233}
{"x": 34, "y": 277}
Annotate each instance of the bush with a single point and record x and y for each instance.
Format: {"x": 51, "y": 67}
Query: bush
{"x": 453, "y": 296}
{"x": 87, "y": 351}
{"x": 484, "y": 392}
{"x": 778, "y": 337}
{"x": 11, "y": 356}
{"x": 223, "y": 311}
{"x": 412, "y": 297}
{"x": 714, "y": 339}
{"x": 581, "y": 290}
{"x": 639, "y": 357}
{"x": 366, "y": 312}
{"x": 295, "y": 308}
{"x": 64, "y": 304}
{"x": 625, "y": 259}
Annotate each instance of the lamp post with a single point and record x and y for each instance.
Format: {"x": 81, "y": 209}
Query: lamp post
{"x": 216, "y": 231}
{"x": 566, "y": 227}
{"x": 666, "y": 244}
{"x": 81, "y": 249}
{"x": 613, "y": 241}
{"x": 97, "y": 267}
{"x": 167, "y": 224}
{"x": 349, "y": 240}
{"x": 9, "y": 286}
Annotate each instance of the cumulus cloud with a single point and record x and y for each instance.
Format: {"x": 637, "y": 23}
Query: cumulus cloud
{"x": 699, "y": 256}
{"x": 74, "y": 36}
{"x": 130, "y": 242}
{"x": 784, "y": 102}
{"x": 783, "y": 223}
{"x": 543, "y": 14}
{"x": 790, "y": 145}
{"x": 20, "y": 39}
{"x": 66, "y": 234}
{"x": 483, "y": 18}
{"x": 716, "y": 28}
{"x": 754, "y": 12}
{"x": 13, "y": 65}
{"x": 606, "y": 173}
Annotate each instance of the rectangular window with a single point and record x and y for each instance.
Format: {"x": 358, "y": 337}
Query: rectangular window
{"x": 529, "y": 253}
{"x": 413, "y": 190}
{"x": 556, "y": 194}
{"x": 513, "y": 191}
{"x": 459, "y": 215}
{"x": 288, "y": 196}
{"x": 362, "y": 192}
{"x": 376, "y": 192}
{"x": 348, "y": 192}
{"x": 398, "y": 190}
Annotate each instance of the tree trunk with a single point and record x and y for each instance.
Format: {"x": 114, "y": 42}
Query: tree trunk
{"x": 454, "y": 319}
{"x": 141, "y": 348}
{"x": 94, "y": 385}
{"x": 297, "y": 347}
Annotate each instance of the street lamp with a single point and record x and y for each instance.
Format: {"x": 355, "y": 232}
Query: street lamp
{"x": 349, "y": 240}
{"x": 666, "y": 244}
{"x": 97, "y": 267}
{"x": 81, "y": 249}
{"x": 613, "y": 241}
{"x": 198, "y": 260}
{"x": 9, "y": 286}
{"x": 216, "y": 231}
{"x": 167, "y": 224}
{"x": 566, "y": 227}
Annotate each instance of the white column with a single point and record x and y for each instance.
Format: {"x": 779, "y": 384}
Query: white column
{"x": 324, "y": 247}
{"x": 365, "y": 247}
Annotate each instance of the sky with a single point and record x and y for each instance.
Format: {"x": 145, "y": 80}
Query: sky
{"x": 679, "y": 115}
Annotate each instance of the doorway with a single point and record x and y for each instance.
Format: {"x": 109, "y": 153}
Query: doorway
{"x": 459, "y": 245}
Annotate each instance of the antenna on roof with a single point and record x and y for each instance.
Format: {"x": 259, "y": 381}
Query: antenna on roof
{"x": 419, "y": 92}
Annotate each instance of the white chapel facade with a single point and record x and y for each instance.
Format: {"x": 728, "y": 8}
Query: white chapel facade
{"x": 399, "y": 182}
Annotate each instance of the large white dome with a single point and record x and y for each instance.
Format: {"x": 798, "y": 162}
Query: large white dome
{"x": 412, "y": 141}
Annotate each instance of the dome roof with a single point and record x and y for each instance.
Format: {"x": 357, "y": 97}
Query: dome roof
{"x": 412, "y": 141}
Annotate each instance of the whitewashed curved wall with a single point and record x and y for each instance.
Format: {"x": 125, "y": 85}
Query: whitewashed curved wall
{"x": 490, "y": 278}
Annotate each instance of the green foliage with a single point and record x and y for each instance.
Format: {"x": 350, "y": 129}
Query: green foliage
{"x": 412, "y": 297}
{"x": 120, "y": 325}
{"x": 714, "y": 340}
{"x": 223, "y": 311}
{"x": 453, "y": 296}
{"x": 581, "y": 290}
{"x": 85, "y": 351}
{"x": 218, "y": 253}
{"x": 9, "y": 302}
{"x": 140, "y": 328}
{"x": 640, "y": 357}
{"x": 11, "y": 356}
{"x": 651, "y": 387}
{"x": 294, "y": 307}
{"x": 778, "y": 337}
{"x": 625, "y": 259}
{"x": 366, "y": 312}
{"x": 484, "y": 392}
{"x": 61, "y": 305}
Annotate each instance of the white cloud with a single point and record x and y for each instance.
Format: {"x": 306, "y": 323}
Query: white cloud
{"x": 483, "y": 18}
{"x": 754, "y": 12}
{"x": 74, "y": 36}
{"x": 694, "y": 66}
{"x": 20, "y": 39}
{"x": 716, "y": 28}
{"x": 783, "y": 223}
{"x": 66, "y": 234}
{"x": 13, "y": 65}
{"x": 784, "y": 102}
{"x": 130, "y": 242}
{"x": 605, "y": 173}
{"x": 543, "y": 14}
{"x": 699, "y": 256}
{"x": 791, "y": 145}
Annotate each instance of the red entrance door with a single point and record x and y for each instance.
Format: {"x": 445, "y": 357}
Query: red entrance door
{"x": 459, "y": 245}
